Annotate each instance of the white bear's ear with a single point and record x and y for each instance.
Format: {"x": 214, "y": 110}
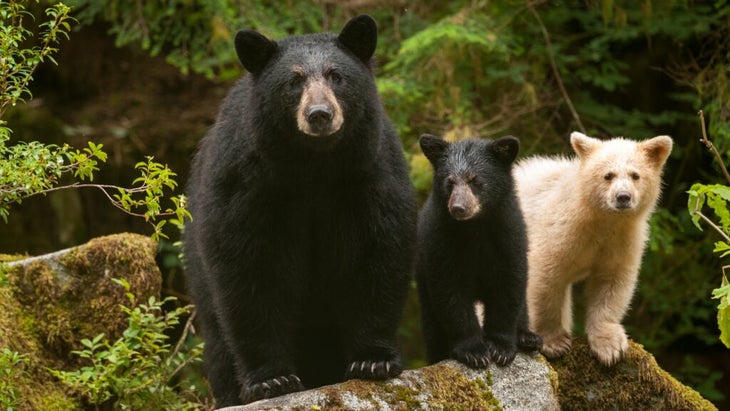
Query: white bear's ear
{"x": 657, "y": 149}
{"x": 360, "y": 36}
{"x": 582, "y": 144}
{"x": 254, "y": 50}
{"x": 433, "y": 147}
{"x": 505, "y": 148}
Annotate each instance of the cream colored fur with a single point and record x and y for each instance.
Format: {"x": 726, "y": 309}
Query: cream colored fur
{"x": 579, "y": 229}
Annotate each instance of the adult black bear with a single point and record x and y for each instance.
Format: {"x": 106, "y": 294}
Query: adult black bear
{"x": 472, "y": 248}
{"x": 304, "y": 220}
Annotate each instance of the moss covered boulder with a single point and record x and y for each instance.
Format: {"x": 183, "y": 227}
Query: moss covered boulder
{"x": 635, "y": 383}
{"x": 49, "y": 303}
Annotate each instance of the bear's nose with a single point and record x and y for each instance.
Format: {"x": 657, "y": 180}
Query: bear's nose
{"x": 623, "y": 199}
{"x": 458, "y": 211}
{"x": 319, "y": 116}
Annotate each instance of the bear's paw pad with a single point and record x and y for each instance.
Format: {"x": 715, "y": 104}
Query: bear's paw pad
{"x": 270, "y": 388}
{"x": 609, "y": 346}
{"x": 556, "y": 346}
{"x": 529, "y": 341}
{"x": 373, "y": 370}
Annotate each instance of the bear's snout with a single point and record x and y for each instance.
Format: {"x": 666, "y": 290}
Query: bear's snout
{"x": 463, "y": 204}
{"x": 319, "y": 117}
{"x": 319, "y": 113}
{"x": 623, "y": 200}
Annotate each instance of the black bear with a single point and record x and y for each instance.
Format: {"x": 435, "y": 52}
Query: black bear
{"x": 299, "y": 253}
{"x": 472, "y": 247}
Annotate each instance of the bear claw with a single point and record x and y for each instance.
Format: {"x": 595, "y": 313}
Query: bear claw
{"x": 373, "y": 370}
{"x": 529, "y": 341}
{"x": 272, "y": 387}
{"x": 471, "y": 354}
{"x": 500, "y": 355}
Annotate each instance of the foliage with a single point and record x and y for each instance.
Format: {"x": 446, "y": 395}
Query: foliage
{"x": 194, "y": 35}
{"x": 19, "y": 61}
{"x": 138, "y": 369}
{"x": 32, "y": 168}
{"x": 716, "y": 196}
{"x": 11, "y": 364}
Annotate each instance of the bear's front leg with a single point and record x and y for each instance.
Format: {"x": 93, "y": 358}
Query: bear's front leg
{"x": 370, "y": 325}
{"x": 257, "y": 316}
{"x": 607, "y": 299}
{"x": 550, "y": 313}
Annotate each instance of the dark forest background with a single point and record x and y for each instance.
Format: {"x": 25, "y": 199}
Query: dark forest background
{"x": 146, "y": 79}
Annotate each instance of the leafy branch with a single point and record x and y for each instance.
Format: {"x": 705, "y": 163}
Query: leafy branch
{"x": 31, "y": 168}
{"x": 716, "y": 196}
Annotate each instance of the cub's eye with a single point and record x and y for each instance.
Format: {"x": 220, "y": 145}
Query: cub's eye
{"x": 450, "y": 183}
{"x": 635, "y": 176}
{"x": 609, "y": 176}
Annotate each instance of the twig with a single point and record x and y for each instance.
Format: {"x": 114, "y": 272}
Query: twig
{"x": 706, "y": 141}
{"x": 103, "y": 188}
{"x": 554, "y": 66}
{"x": 704, "y": 218}
{"x": 178, "y": 346}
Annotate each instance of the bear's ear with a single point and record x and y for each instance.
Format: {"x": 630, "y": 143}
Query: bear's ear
{"x": 433, "y": 147}
{"x": 657, "y": 149}
{"x": 360, "y": 36}
{"x": 505, "y": 148}
{"x": 254, "y": 50}
{"x": 582, "y": 144}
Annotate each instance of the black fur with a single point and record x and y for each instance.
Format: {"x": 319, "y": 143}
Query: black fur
{"x": 299, "y": 252}
{"x": 483, "y": 258}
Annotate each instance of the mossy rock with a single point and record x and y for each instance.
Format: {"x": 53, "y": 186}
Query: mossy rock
{"x": 48, "y": 304}
{"x": 525, "y": 384}
{"x": 635, "y": 383}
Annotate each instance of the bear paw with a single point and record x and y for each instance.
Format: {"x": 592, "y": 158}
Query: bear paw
{"x": 528, "y": 341}
{"x": 608, "y": 343}
{"x": 273, "y": 387}
{"x": 555, "y": 346}
{"x": 373, "y": 370}
{"x": 473, "y": 354}
{"x": 500, "y": 354}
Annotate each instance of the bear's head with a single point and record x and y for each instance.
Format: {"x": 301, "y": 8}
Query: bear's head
{"x": 470, "y": 175}
{"x": 620, "y": 175}
{"x": 311, "y": 85}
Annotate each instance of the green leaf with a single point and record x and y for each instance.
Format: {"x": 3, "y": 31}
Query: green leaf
{"x": 723, "y": 310}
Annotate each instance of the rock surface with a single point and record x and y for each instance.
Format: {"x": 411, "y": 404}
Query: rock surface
{"x": 527, "y": 384}
{"x": 575, "y": 382}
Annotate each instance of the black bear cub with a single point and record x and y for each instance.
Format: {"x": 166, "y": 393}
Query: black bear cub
{"x": 300, "y": 250}
{"x": 472, "y": 247}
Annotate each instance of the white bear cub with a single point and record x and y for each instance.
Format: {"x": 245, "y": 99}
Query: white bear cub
{"x": 587, "y": 219}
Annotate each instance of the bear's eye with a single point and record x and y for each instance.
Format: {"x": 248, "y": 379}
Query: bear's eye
{"x": 635, "y": 176}
{"x": 609, "y": 176}
{"x": 334, "y": 76}
{"x": 297, "y": 79}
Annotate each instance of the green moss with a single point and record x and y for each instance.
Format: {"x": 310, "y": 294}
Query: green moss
{"x": 48, "y": 305}
{"x": 635, "y": 383}
{"x": 452, "y": 390}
